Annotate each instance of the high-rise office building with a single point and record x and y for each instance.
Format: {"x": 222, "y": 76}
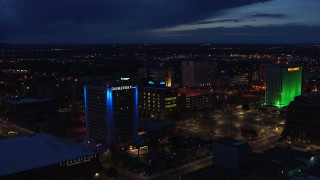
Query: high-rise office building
{"x": 198, "y": 73}
{"x": 111, "y": 112}
{"x": 283, "y": 83}
{"x": 262, "y": 71}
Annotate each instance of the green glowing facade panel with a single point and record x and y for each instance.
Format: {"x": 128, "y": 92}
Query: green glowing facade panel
{"x": 283, "y": 83}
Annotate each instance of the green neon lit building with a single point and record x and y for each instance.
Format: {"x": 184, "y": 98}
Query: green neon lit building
{"x": 283, "y": 83}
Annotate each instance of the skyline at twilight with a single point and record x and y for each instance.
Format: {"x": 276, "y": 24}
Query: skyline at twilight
{"x": 150, "y": 21}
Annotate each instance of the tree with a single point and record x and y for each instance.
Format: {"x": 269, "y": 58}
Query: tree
{"x": 111, "y": 173}
{"x": 245, "y": 107}
{"x": 249, "y": 133}
{"x": 107, "y": 155}
{"x": 159, "y": 166}
{"x": 201, "y": 152}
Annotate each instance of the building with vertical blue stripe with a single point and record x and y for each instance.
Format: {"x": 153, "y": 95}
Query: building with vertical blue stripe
{"x": 111, "y": 112}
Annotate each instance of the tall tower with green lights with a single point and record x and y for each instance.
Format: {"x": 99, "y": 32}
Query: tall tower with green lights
{"x": 283, "y": 83}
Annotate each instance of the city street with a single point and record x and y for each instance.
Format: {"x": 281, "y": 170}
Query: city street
{"x": 172, "y": 174}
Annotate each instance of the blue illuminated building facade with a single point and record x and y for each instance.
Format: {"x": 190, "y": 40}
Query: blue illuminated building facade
{"x": 111, "y": 113}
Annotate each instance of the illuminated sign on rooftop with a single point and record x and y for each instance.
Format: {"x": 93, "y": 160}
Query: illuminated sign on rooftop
{"x": 294, "y": 69}
{"x": 124, "y": 79}
{"x": 122, "y": 88}
{"x": 77, "y": 161}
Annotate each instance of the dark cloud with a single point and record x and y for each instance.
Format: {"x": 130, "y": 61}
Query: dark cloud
{"x": 95, "y": 20}
{"x": 265, "y": 15}
{"x": 220, "y": 21}
{"x": 250, "y": 34}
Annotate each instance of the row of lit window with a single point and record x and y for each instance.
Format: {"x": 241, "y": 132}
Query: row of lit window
{"x": 171, "y": 106}
{"x": 151, "y": 94}
{"x": 150, "y": 105}
{"x": 145, "y": 108}
{"x": 170, "y": 98}
{"x": 158, "y": 102}
{"x": 77, "y": 161}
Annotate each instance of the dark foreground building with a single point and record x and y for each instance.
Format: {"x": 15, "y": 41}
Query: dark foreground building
{"x": 303, "y": 121}
{"x": 277, "y": 163}
{"x": 42, "y": 156}
{"x": 230, "y": 154}
{"x": 29, "y": 109}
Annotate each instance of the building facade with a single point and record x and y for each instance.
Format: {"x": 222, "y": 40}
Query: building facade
{"x": 111, "y": 113}
{"x": 158, "y": 102}
{"x": 230, "y": 154}
{"x": 163, "y": 74}
{"x": 198, "y": 73}
{"x": 194, "y": 99}
{"x": 283, "y": 83}
{"x": 29, "y": 109}
{"x": 303, "y": 124}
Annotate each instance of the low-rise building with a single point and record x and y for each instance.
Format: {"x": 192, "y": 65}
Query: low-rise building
{"x": 281, "y": 163}
{"x": 41, "y": 156}
{"x": 303, "y": 122}
{"x": 230, "y": 154}
{"x": 29, "y": 109}
{"x": 195, "y": 99}
{"x": 154, "y": 129}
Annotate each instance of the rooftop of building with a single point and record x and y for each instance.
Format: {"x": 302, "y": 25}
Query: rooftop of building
{"x": 266, "y": 166}
{"x": 27, "y": 100}
{"x": 230, "y": 142}
{"x": 283, "y": 153}
{"x": 212, "y": 172}
{"x": 315, "y": 171}
{"x": 34, "y": 151}
{"x": 308, "y": 98}
{"x": 277, "y": 160}
{"x": 154, "y": 125}
{"x": 158, "y": 86}
{"x": 104, "y": 83}
{"x": 189, "y": 92}
{"x": 283, "y": 65}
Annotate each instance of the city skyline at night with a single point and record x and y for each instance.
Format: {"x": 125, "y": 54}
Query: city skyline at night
{"x": 159, "y": 89}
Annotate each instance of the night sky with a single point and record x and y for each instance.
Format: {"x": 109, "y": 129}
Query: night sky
{"x": 159, "y": 21}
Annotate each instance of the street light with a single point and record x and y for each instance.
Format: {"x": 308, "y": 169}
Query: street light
{"x": 96, "y": 175}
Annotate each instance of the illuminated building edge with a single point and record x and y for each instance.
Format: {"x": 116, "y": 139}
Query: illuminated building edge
{"x": 86, "y": 109}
